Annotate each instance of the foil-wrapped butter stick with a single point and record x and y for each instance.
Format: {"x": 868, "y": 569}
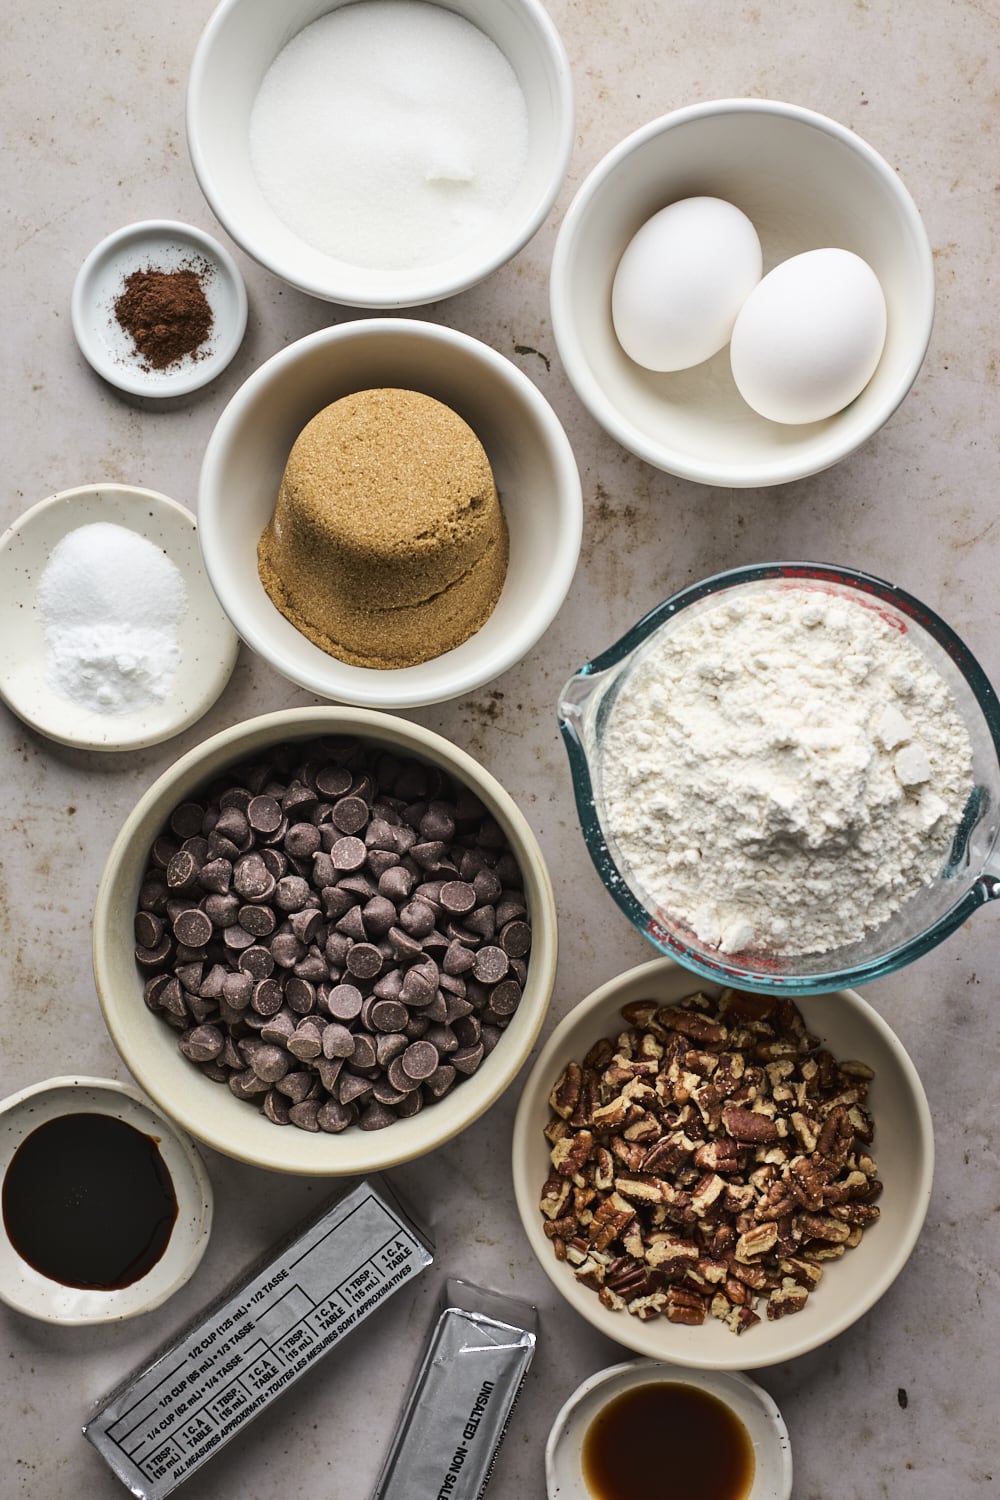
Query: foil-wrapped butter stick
{"x": 461, "y": 1400}
{"x": 263, "y": 1332}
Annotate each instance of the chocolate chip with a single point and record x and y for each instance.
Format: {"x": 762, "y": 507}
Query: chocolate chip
{"x": 266, "y": 997}
{"x": 264, "y": 814}
{"x": 515, "y": 938}
{"x": 491, "y": 964}
{"x": 337, "y": 1041}
{"x": 352, "y": 1086}
{"x": 186, "y": 820}
{"x": 364, "y": 1052}
{"x": 305, "y": 1115}
{"x": 388, "y": 1015}
{"x": 301, "y": 841}
{"x": 151, "y": 958}
{"x": 375, "y": 1116}
{"x": 420, "y": 1060}
{"x": 388, "y": 1046}
{"x": 417, "y": 918}
{"x": 467, "y": 1059}
{"x": 306, "y": 1041}
{"x": 458, "y": 959}
{"x": 350, "y": 814}
{"x": 236, "y": 938}
{"x": 201, "y": 1043}
{"x": 300, "y": 995}
{"x": 379, "y": 914}
{"x": 344, "y": 1002}
{"x": 291, "y": 893}
{"x": 333, "y": 1117}
{"x": 457, "y": 897}
{"x": 251, "y": 878}
{"x": 399, "y": 1079}
{"x": 333, "y": 781}
{"x": 147, "y": 929}
{"x": 364, "y": 961}
{"x": 306, "y": 924}
{"x": 192, "y": 927}
{"x": 259, "y": 921}
{"x": 286, "y": 949}
{"x": 216, "y": 875}
{"x": 440, "y": 1081}
{"x": 182, "y": 871}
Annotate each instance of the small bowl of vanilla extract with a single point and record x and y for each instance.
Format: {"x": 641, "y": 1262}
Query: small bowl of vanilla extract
{"x": 646, "y": 1430}
{"x": 106, "y": 1206}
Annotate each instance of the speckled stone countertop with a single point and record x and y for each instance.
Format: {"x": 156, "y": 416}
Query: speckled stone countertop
{"x": 902, "y": 1404}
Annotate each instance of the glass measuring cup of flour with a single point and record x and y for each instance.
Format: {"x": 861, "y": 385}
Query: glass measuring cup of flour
{"x": 969, "y": 877}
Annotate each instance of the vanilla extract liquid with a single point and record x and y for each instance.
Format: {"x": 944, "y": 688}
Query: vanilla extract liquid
{"x": 88, "y": 1201}
{"x": 667, "y": 1441}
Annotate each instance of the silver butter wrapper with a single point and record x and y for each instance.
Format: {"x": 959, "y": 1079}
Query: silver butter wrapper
{"x": 462, "y": 1397}
{"x": 265, "y": 1330}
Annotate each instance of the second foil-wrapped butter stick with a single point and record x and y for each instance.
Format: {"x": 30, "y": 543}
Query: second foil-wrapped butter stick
{"x": 461, "y": 1399}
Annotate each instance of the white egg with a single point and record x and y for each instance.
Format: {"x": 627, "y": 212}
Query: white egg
{"x": 809, "y": 336}
{"x": 681, "y": 282}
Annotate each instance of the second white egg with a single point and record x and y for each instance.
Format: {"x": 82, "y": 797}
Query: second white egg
{"x": 681, "y": 282}
{"x": 809, "y": 336}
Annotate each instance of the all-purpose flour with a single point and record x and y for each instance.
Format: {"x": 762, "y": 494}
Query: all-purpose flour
{"x": 783, "y": 771}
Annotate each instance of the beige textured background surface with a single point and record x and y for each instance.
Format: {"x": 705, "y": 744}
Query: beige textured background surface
{"x": 93, "y": 138}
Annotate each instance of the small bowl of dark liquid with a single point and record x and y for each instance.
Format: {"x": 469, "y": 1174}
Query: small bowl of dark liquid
{"x": 106, "y": 1206}
{"x": 645, "y": 1430}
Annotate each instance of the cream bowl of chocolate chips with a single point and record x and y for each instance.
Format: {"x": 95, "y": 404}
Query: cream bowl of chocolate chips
{"x": 325, "y": 941}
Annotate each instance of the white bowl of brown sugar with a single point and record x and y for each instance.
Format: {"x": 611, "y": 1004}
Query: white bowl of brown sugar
{"x": 390, "y": 513}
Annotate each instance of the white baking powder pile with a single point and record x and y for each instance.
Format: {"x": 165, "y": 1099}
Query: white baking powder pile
{"x": 783, "y": 771}
{"x": 111, "y": 603}
{"x": 389, "y": 133}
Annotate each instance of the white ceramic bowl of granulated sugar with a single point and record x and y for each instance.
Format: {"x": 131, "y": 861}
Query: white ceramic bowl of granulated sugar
{"x": 459, "y": 122}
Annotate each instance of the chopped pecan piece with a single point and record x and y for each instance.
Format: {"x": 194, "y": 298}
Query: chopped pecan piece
{"x": 757, "y": 1241}
{"x": 565, "y": 1096}
{"x": 790, "y": 1297}
{"x": 609, "y": 1220}
{"x": 570, "y": 1155}
{"x": 747, "y": 1125}
{"x": 685, "y": 1307}
{"x": 555, "y": 1195}
{"x": 690, "y": 1023}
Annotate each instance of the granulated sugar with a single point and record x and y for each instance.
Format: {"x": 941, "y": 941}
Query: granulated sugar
{"x": 389, "y": 133}
{"x": 783, "y": 771}
{"x": 110, "y": 603}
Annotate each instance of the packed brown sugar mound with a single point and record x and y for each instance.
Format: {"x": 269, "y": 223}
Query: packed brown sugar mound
{"x": 387, "y": 546}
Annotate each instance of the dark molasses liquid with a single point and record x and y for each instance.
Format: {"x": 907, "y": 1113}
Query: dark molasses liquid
{"x": 88, "y": 1201}
{"x": 665, "y": 1441}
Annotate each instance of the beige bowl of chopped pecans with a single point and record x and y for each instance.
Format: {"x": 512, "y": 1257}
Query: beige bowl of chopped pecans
{"x": 725, "y": 1181}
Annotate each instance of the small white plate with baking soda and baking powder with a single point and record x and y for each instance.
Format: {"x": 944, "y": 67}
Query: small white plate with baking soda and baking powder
{"x": 113, "y": 637}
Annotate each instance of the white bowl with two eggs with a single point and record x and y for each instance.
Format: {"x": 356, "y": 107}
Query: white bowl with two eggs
{"x": 806, "y": 183}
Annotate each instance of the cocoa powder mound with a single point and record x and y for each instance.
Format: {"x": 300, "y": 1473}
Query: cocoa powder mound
{"x": 166, "y": 314}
